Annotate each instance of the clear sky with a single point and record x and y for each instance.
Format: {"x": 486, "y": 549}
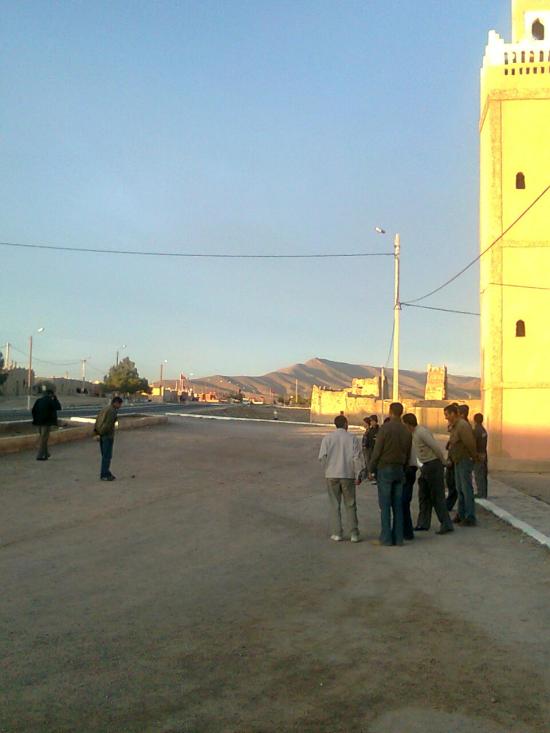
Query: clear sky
{"x": 242, "y": 126}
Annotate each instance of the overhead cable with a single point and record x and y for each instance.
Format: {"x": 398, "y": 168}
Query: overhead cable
{"x": 204, "y": 255}
{"x": 443, "y": 310}
{"x": 476, "y": 259}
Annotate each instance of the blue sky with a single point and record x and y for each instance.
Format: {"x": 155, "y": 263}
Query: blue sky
{"x": 249, "y": 126}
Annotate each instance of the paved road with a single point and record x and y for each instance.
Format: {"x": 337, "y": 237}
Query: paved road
{"x": 199, "y": 593}
{"x": 92, "y": 410}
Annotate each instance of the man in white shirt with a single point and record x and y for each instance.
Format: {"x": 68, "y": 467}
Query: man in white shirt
{"x": 342, "y": 455}
{"x": 431, "y": 485}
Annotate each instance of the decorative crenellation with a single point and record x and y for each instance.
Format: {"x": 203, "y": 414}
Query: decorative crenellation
{"x": 526, "y": 57}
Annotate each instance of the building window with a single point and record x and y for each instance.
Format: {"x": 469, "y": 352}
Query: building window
{"x": 520, "y": 329}
{"x": 520, "y": 181}
{"x": 538, "y": 30}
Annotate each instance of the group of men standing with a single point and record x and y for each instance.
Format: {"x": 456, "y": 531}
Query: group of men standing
{"x": 391, "y": 456}
{"x": 44, "y": 416}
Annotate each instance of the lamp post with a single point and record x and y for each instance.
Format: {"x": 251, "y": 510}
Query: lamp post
{"x": 123, "y": 346}
{"x": 396, "y": 311}
{"x": 29, "y": 376}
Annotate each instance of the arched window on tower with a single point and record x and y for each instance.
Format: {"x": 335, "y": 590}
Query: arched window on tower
{"x": 538, "y": 30}
{"x": 520, "y": 180}
{"x": 520, "y": 329}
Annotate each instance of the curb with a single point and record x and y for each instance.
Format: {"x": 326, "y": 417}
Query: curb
{"x": 19, "y": 443}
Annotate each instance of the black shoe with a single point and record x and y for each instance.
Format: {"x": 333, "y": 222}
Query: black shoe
{"x": 469, "y": 522}
{"x": 445, "y": 530}
{"x": 108, "y": 478}
{"x": 421, "y": 529}
{"x": 41, "y": 459}
{"x": 409, "y": 538}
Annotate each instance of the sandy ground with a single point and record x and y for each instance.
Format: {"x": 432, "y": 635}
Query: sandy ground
{"x": 534, "y": 484}
{"x": 203, "y": 596}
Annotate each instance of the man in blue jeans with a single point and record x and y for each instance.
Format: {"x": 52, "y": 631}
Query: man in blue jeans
{"x": 463, "y": 453}
{"x": 390, "y": 457}
{"x": 105, "y": 429}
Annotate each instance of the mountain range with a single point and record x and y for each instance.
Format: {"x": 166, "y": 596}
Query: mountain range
{"x": 334, "y": 375}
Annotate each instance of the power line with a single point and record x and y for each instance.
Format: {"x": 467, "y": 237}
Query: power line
{"x": 205, "y": 255}
{"x": 476, "y": 259}
{"x": 443, "y": 310}
{"x": 44, "y": 361}
{"x": 513, "y": 285}
{"x": 391, "y": 347}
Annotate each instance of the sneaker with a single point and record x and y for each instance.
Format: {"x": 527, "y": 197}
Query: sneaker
{"x": 356, "y": 537}
{"x": 108, "y": 478}
{"x": 336, "y": 537}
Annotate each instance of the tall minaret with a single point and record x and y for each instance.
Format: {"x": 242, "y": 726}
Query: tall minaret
{"x": 514, "y": 170}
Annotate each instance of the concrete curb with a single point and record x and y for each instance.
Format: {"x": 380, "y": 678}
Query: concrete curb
{"x": 18, "y": 443}
{"x": 258, "y": 419}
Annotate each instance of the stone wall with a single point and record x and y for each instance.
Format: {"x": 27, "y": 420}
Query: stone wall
{"x": 326, "y": 404}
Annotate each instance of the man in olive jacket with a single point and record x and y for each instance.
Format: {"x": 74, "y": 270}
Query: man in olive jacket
{"x": 463, "y": 453}
{"x": 105, "y": 428}
{"x": 44, "y": 416}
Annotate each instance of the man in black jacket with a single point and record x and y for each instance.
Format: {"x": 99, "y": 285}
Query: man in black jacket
{"x": 44, "y": 416}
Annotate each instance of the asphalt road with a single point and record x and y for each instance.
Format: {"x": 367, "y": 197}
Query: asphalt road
{"x": 200, "y": 593}
{"x": 92, "y": 410}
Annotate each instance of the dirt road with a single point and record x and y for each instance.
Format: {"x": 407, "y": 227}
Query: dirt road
{"x": 203, "y": 596}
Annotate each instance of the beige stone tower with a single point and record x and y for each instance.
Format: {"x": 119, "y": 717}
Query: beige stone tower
{"x": 514, "y": 170}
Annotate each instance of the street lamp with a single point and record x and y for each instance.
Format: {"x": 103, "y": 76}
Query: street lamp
{"x": 123, "y": 346}
{"x": 162, "y": 363}
{"x": 29, "y": 376}
{"x": 396, "y": 311}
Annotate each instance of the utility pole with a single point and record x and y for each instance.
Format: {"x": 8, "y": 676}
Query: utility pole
{"x": 7, "y": 359}
{"x": 396, "y": 317}
{"x": 296, "y": 395}
{"x": 83, "y": 373}
{"x": 29, "y": 376}
{"x": 382, "y": 392}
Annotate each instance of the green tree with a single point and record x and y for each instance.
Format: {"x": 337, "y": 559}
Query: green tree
{"x": 3, "y": 372}
{"x": 125, "y": 378}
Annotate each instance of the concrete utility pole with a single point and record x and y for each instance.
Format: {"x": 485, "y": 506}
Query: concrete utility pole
{"x": 29, "y": 375}
{"x": 396, "y": 317}
{"x": 7, "y": 359}
{"x": 83, "y": 372}
{"x": 123, "y": 346}
{"x": 296, "y": 394}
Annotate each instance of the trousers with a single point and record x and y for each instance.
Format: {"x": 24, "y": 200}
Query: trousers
{"x": 106, "y": 448}
{"x": 339, "y": 488}
{"x": 481, "y": 470}
{"x": 408, "y": 487}
{"x": 390, "y": 480}
{"x": 43, "y": 436}
{"x": 431, "y": 495}
{"x": 465, "y": 488}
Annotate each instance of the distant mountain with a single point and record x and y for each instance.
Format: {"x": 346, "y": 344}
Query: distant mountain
{"x": 332, "y": 374}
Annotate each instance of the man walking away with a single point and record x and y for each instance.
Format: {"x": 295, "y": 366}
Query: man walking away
{"x": 462, "y": 452}
{"x": 105, "y": 428}
{"x": 371, "y": 437}
{"x": 44, "y": 416}
{"x": 481, "y": 466}
{"x": 431, "y": 484}
{"x": 341, "y": 453}
{"x": 365, "y": 441}
{"x": 390, "y": 457}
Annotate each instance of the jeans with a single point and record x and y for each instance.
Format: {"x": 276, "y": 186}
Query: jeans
{"x": 408, "y": 487}
{"x": 431, "y": 495}
{"x": 106, "y": 447}
{"x": 338, "y": 488}
{"x": 480, "y": 473}
{"x": 43, "y": 435}
{"x": 465, "y": 488}
{"x": 390, "y": 481}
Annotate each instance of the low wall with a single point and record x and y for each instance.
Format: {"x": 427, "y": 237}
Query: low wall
{"x": 67, "y": 432}
{"x": 327, "y": 404}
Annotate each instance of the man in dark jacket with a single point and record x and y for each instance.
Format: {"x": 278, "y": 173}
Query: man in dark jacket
{"x": 44, "y": 416}
{"x": 105, "y": 428}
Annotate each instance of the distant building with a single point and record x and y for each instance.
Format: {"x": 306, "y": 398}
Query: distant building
{"x": 436, "y": 383}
